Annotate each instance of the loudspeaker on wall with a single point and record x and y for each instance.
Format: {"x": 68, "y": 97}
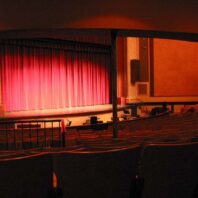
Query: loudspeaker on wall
{"x": 135, "y": 70}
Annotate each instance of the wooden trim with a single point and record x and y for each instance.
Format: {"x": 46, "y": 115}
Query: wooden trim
{"x": 151, "y": 53}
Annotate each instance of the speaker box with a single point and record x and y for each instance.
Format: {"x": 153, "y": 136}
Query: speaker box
{"x": 93, "y": 119}
{"x": 135, "y": 70}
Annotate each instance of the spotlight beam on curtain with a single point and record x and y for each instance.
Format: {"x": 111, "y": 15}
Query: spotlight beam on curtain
{"x": 36, "y": 78}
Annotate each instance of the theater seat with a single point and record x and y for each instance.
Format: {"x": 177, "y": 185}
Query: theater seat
{"x": 170, "y": 171}
{"x": 96, "y": 174}
{"x": 26, "y": 176}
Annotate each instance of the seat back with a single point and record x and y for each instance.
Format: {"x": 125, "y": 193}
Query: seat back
{"x": 96, "y": 174}
{"x": 170, "y": 171}
{"x": 26, "y": 176}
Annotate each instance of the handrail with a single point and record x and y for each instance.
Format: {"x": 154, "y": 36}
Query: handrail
{"x": 27, "y": 121}
{"x": 30, "y": 134}
{"x": 134, "y": 105}
{"x": 161, "y": 103}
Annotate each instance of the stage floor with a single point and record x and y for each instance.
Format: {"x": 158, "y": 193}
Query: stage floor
{"x": 72, "y": 111}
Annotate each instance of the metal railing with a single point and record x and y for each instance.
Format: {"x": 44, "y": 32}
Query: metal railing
{"x": 30, "y": 134}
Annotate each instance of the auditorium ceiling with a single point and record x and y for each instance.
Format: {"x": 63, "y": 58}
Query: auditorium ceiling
{"x": 131, "y": 18}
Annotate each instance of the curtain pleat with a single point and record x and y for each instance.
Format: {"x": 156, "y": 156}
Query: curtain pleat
{"x": 49, "y": 78}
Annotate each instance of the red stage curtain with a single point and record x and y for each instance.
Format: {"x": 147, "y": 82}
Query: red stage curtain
{"x": 36, "y": 78}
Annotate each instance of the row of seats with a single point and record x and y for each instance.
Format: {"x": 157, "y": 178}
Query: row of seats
{"x": 151, "y": 171}
{"x": 164, "y": 128}
{"x": 175, "y": 128}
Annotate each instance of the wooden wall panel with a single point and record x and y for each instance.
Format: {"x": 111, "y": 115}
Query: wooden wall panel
{"x": 175, "y": 68}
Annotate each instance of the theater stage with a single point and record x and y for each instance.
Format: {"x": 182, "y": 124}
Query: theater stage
{"x": 71, "y": 112}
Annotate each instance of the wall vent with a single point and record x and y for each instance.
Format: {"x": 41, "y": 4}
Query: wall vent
{"x": 142, "y": 89}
